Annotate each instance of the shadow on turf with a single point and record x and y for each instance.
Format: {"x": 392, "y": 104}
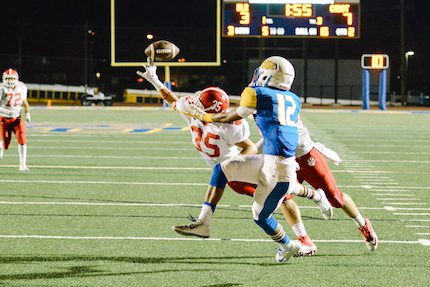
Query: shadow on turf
{"x": 94, "y": 271}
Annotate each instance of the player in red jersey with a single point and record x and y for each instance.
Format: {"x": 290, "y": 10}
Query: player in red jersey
{"x": 13, "y": 97}
{"x": 314, "y": 170}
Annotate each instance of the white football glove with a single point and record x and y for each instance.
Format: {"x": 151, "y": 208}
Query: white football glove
{"x": 150, "y": 75}
{"x": 193, "y": 111}
{"x": 28, "y": 118}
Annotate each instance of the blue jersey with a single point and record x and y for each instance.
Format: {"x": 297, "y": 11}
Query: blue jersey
{"x": 277, "y": 115}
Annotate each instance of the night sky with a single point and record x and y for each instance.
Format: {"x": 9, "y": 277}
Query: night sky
{"x": 45, "y": 41}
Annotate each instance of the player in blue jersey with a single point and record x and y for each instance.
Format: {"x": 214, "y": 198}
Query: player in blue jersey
{"x": 276, "y": 111}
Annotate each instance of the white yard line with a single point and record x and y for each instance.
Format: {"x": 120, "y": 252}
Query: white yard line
{"x": 411, "y": 214}
{"x": 417, "y": 226}
{"x": 113, "y": 167}
{"x": 406, "y": 208}
{"x": 109, "y": 148}
{"x": 119, "y": 238}
{"x": 131, "y": 204}
{"x": 397, "y": 199}
{"x": 393, "y": 194}
{"x": 109, "y": 156}
{"x": 408, "y": 203}
{"x": 102, "y": 182}
{"x": 101, "y": 141}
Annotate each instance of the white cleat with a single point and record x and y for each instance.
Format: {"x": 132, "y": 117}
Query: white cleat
{"x": 324, "y": 205}
{"x": 1, "y": 153}
{"x": 371, "y": 239}
{"x": 308, "y": 247}
{"x": 283, "y": 256}
{"x": 23, "y": 168}
{"x": 197, "y": 228}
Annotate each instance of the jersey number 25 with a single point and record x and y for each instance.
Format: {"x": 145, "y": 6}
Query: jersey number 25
{"x": 207, "y": 137}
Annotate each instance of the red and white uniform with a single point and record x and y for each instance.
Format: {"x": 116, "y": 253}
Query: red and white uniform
{"x": 12, "y": 99}
{"x": 314, "y": 168}
{"x": 215, "y": 141}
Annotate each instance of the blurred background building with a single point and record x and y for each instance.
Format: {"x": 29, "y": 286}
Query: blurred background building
{"x": 68, "y": 43}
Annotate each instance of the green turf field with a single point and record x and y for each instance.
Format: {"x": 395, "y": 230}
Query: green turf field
{"x": 106, "y": 185}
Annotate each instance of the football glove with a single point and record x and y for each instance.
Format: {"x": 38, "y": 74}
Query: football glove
{"x": 196, "y": 112}
{"x": 150, "y": 75}
{"x": 28, "y": 118}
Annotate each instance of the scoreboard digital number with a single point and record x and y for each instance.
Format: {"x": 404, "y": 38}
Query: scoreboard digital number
{"x": 311, "y": 19}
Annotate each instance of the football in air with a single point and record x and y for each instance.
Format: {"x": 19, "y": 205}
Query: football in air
{"x": 161, "y": 51}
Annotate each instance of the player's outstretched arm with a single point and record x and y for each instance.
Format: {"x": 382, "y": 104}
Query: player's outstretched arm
{"x": 150, "y": 75}
{"x": 247, "y": 146}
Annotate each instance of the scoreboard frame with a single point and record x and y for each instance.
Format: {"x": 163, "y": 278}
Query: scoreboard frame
{"x": 300, "y": 13}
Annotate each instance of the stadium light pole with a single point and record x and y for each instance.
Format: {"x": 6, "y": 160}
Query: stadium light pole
{"x": 86, "y": 55}
{"x": 407, "y": 55}
{"x": 402, "y": 53}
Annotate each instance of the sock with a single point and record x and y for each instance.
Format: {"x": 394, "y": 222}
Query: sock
{"x": 359, "y": 220}
{"x": 281, "y": 238}
{"x": 311, "y": 194}
{"x": 22, "y": 151}
{"x": 299, "y": 229}
{"x": 206, "y": 212}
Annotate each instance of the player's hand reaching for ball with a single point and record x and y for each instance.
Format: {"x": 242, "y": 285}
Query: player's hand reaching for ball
{"x": 150, "y": 73}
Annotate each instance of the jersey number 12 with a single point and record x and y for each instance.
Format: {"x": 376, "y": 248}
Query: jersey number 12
{"x": 287, "y": 110}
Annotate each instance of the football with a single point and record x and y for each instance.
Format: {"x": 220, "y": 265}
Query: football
{"x": 161, "y": 51}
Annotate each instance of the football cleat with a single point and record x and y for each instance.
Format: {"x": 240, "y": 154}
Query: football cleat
{"x": 197, "y": 228}
{"x": 308, "y": 248}
{"x": 283, "y": 256}
{"x": 1, "y": 153}
{"x": 324, "y": 205}
{"x": 371, "y": 239}
{"x": 23, "y": 168}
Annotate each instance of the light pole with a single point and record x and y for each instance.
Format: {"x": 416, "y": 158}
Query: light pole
{"x": 407, "y": 55}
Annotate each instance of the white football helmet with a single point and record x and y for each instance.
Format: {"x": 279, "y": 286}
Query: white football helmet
{"x": 10, "y": 78}
{"x": 275, "y": 72}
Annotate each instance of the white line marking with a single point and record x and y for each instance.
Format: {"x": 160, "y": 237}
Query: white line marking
{"x": 107, "y": 148}
{"x": 113, "y": 141}
{"x": 102, "y": 182}
{"x": 33, "y": 236}
{"x": 408, "y": 208}
{"x": 408, "y": 203}
{"x": 415, "y": 220}
{"x": 110, "y": 156}
{"x": 353, "y": 171}
{"x": 417, "y": 226}
{"x": 411, "y": 214}
{"x": 379, "y": 184}
{"x": 396, "y": 199}
{"x": 425, "y": 233}
{"x": 376, "y": 180}
{"x": 143, "y": 204}
{"x": 389, "y": 189}
{"x": 388, "y": 152}
{"x": 390, "y": 161}
{"x": 394, "y": 194}
{"x": 112, "y": 167}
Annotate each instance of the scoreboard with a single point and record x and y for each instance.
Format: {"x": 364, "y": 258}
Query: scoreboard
{"x": 284, "y": 18}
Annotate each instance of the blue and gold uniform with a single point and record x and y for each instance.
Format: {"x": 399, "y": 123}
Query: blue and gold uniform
{"x": 276, "y": 116}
